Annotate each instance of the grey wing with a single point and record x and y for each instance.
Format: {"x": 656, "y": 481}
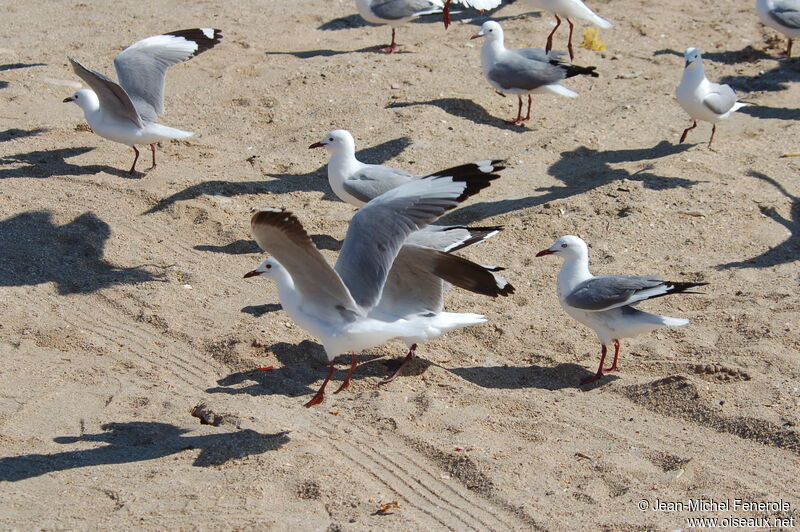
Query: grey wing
{"x": 611, "y": 291}
{"x": 539, "y": 54}
{"x": 380, "y": 228}
{"x": 142, "y": 67}
{"x": 399, "y": 9}
{"x": 280, "y": 233}
{"x": 721, "y": 99}
{"x": 451, "y": 238}
{"x": 114, "y": 101}
{"x": 515, "y": 71}
{"x": 411, "y": 288}
{"x": 786, "y": 12}
{"x": 479, "y": 4}
{"x": 373, "y": 180}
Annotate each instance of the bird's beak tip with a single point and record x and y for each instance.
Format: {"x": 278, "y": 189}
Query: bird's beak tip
{"x": 476, "y": 36}
{"x": 66, "y": 100}
{"x": 544, "y": 252}
{"x": 252, "y": 273}
{"x": 316, "y": 145}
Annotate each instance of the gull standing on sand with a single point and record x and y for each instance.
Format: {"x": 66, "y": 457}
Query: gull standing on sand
{"x": 568, "y": 9}
{"x": 605, "y": 303}
{"x": 782, "y": 15}
{"x": 702, "y": 99}
{"x": 524, "y": 70}
{"x": 396, "y": 13}
{"x": 480, "y": 5}
{"x": 126, "y": 112}
{"x": 339, "y": 305}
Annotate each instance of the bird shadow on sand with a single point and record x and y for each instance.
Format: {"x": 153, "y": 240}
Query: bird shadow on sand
{"x": 245, "y": 247}
{"x": 788, "y": 250}
{"x": 49, "y": 163}
{"x": 557, "y": 377}
{"x": 582, "y": 170}
{"x": 468, "y": 110}
{"x": 748, "y": 54}
{"x": 139, "y": 441}
{"x": 777, "y": 79}
{"x": 260, "y": 310}
{"x": 14, "y": 133}
{"x": 303, "y": 368}
{"x": 283, "y": 183}
{"x": 37, "y": 251}
{"x": 17, "y": 66}
{"x": 771, "y": 113}
{"x": 310, "y": 54}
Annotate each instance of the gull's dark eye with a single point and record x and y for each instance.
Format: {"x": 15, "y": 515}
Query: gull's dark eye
{"x": 331, "y": 139}
{"x": 269, "y": 266}
{"x": 563, "y": 245}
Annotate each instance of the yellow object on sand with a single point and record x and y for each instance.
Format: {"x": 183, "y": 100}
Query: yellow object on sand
{"x": 591, "y": 40}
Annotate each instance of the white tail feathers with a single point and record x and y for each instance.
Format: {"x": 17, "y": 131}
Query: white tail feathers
{"x": 560, "y": 90}
{"x": 674, "y": 322}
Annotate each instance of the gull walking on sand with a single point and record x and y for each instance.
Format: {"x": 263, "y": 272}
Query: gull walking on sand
{"x": 345, "y": 306}
{"x": 568, "y": 9}
{"x": 524, "y": 70}
{"x": 702, "y": 99}
{"x": 606, "y": 302}
{"x": 396, "y": 13}
{"x": 126, "y": 112}
{"x": 782, "y": 15}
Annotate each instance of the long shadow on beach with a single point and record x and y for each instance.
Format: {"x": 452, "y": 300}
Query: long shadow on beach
{"x": 14, "y": 133}
{"x": 284, "y": 183}
{"x": 748, "y": 54}
{"x": 582, "y": 170}
{"x": 788, "y": 250}
{"x": 557, "y": 377}
{"x": 36, "y": 251}
{"x": 138, "y": 441}
{"x": 303, "y": 367}
{"x": 48, "y": 163}
{"x": 468, "y": 110}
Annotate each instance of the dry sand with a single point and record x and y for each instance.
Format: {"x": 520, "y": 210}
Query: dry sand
{"x": 123, "y": 306}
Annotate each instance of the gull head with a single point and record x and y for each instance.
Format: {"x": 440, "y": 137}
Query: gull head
{"x": 491, "y": 30}
{"x": 693, "y": 58}
{"x": 86, "y": 99}
{"x": 568, "y": 247}
{"x": 266, "y": 268}
{"x": 339, "y": 140}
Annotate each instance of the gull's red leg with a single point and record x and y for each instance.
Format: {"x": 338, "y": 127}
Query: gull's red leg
{"x": 153, "y": 149}
{"x": 569, "y": 43}
{"x": 713, "y": 130}
{"x": 686, "y": 131}
{"x": 317, "y": 399}
{"x": 616, "y": 355}
{"x": 446, "y": 14}
{"x": 550, "y": 37}
{"x": 390, "y": 49}
{"x": 528, "y": 116}
{"x": 136, "y": 158}
{"x": 346, "y": 382}
{"x": 599, "y": 373}
{"x": 412, "y": 352}
{"x": 518, "y": 119}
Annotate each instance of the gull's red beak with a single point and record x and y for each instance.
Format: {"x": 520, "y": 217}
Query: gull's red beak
{"x": 70, "y": 99}
{"x": 476, "y": 36}
{"x": 544, "y": 252}
{"x": 316, "y": 145}
{"x": 251, "y": 274}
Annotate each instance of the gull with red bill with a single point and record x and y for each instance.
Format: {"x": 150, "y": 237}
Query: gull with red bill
{"x": 606, "y": 303}
{"x": 365, "y": 300}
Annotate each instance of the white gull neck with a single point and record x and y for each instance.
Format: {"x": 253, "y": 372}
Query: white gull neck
{"x": 574, "y": 271}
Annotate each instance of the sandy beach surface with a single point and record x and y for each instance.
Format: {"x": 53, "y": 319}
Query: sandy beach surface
{"x": 129, "y": 342}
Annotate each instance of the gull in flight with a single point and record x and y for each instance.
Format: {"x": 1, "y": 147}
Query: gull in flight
{"x": 606, "y": 302}
{"x": 126, "y": 112}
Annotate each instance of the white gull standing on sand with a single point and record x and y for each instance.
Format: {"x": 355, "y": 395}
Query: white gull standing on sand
{"x": 341, "y": 306}
{"x": 782, "y": 15}
{"x": 356, "y": 183}
{"x": 702, "y": 99}
{"x": 568, "y": 9}
{"x": 126, "y": 112}
{"x": 605, "y": 303}
{"x": 396, "y": 13}
{"x": 524, "y": 70}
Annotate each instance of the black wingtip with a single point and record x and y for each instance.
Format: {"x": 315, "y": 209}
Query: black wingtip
{"x": 683, "y": 287}
{"x": 575, "y": 70}
{"x": 205, "y": 38}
